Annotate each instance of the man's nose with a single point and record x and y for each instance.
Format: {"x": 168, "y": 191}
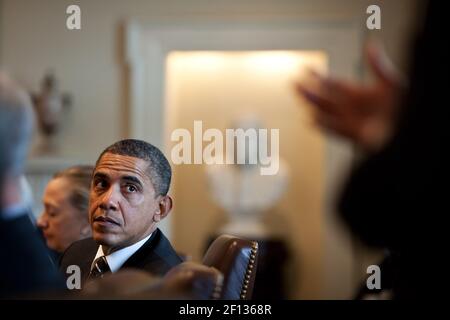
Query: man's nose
{"x": 110, "y": 199}
{"x": 42, "y": 221}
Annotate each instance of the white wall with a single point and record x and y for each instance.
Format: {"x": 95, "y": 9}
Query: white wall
{"x": 88, "y": 62}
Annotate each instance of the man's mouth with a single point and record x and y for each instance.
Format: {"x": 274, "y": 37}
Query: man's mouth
{"x": 105, "y": 221}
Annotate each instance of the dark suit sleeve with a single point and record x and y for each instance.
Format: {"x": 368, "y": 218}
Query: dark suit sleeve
{"x": 370, "y": 204}
{"x": 66, "y": 257}
{"x": 25, "y": 265}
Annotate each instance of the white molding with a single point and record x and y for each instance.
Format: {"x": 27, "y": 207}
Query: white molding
{"x": 148, "y": 45}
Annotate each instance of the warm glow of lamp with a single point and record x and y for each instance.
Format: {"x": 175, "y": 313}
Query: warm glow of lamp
{"x": 198, "y": 60}
{"x": 259, "y": 63}
{"x": 273, "y": 61}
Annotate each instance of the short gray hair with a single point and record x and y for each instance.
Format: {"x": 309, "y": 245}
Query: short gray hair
{"x": 16, "y": 126}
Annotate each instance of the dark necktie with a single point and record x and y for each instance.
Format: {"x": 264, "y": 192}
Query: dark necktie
{"x": 100, "y": 268}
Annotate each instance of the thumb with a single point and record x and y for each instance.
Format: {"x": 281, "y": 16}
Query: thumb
{"x": 381, "y": 65}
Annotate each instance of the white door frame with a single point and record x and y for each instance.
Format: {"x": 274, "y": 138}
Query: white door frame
{"x": 147, "y": 45}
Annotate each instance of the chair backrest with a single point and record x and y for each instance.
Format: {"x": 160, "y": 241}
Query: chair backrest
{"x": 236, "y": 258}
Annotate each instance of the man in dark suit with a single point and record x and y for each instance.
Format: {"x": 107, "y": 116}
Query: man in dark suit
{"x": 26, "y": 270}
{"x": 25, "y": 267}
{"x": 127, "y": 200}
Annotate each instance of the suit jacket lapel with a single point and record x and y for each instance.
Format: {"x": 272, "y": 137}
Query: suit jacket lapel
{"x": 144, "y": 254}
{"x": 87, "y": 259}
{"x": 152, "y": 255}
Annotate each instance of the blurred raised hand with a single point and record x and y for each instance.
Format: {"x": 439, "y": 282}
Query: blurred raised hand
{"x": 365, "y": 114}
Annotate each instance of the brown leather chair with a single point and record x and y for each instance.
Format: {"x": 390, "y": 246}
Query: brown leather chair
{"x": 236, "y": 259}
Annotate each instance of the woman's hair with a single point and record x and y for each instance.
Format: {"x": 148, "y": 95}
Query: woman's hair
{"x": 80, "y": 182}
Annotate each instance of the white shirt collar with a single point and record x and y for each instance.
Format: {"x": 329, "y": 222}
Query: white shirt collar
{"x": 118, "y": 258}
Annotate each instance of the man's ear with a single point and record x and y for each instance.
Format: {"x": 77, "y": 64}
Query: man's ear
{"x": 165, "y": 205}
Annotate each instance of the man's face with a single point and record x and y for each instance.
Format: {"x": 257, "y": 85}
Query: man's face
{"x": 123, "y": 201}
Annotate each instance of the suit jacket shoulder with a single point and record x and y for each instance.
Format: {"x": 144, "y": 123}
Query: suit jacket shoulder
{"x": 25, "y": 264}
{"x": 156, "y": 256}
{"x": 80, "y": 253}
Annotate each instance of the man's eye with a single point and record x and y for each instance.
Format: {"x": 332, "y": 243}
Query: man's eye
{"x": 131, "y": 188}
{"x": 100, "y": 184}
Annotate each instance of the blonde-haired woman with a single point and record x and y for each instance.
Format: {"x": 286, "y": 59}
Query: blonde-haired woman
{"x": 65, "y": 216}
